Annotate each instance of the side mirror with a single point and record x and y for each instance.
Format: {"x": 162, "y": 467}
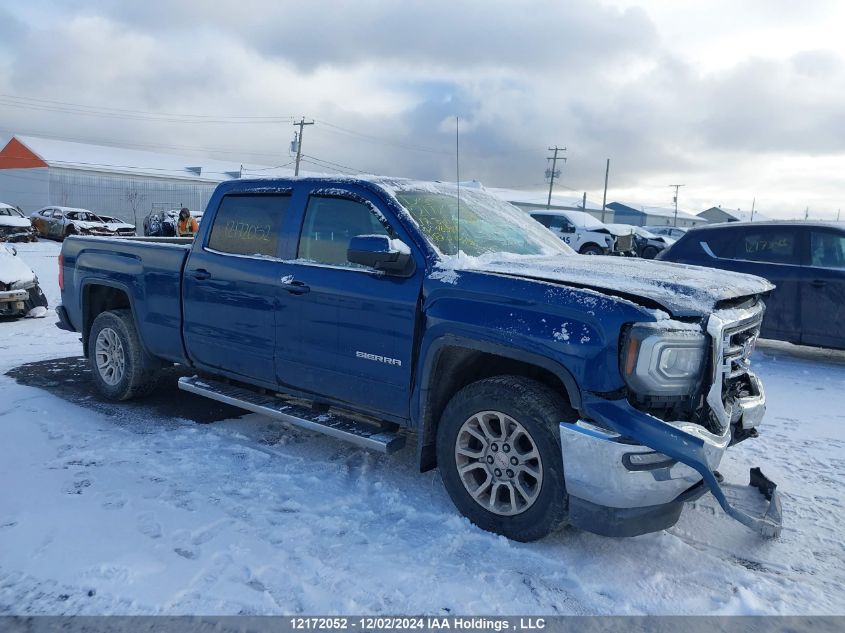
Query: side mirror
{"x": 379, "y": 252}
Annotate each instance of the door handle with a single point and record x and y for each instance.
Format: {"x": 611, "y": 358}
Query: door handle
{"x": 295, "y": 287}
{"x": 818, "y": 283}
{"x": 201, "y": 274}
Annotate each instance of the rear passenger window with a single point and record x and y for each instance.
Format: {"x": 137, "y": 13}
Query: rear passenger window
{"x": 249, "y": 225}
{"x": 777, "y": 246}
{"x": 827, "y": 250}
{"x": 719, "y": 242}
{"x": 329, "y": 225}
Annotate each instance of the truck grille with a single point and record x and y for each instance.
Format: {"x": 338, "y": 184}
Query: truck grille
{"x": 734, "y": 334}
{"x": 625, "y": 242}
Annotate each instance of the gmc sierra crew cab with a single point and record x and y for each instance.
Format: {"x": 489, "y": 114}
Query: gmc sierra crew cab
{"x": 548, "y": 387}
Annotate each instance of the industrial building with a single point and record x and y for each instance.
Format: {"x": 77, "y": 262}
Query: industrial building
{"x": 720, "y": 214}
{"x": 36, "y": 172}
{"x": 652, "y": 216}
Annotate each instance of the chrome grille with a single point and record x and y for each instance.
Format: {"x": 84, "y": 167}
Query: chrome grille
{"x": 733, "y": 334}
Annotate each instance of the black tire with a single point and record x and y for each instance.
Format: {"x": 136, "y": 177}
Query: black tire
{"x": 539, "y": 410}
{"x": 590, "y": 249}
{"x": 649, "y": 252}
{"x": 138, "y": 376}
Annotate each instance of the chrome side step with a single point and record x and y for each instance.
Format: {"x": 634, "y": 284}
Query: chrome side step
{"x": 367, "y": 435}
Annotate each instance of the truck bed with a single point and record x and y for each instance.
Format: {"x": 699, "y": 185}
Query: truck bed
{"x": 148, "y": 270}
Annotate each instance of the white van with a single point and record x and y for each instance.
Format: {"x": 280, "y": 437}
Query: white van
{"x": 582, "y": 231}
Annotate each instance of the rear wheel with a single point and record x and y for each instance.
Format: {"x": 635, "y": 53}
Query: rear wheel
{"x": 117, "y": 359}
{"x": 590, "y": 249}
{"x": 649, "y": 252}
{"x": 498, "y": 450}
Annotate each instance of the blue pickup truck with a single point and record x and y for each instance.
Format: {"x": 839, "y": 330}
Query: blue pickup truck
{"x": 546, "y": 386}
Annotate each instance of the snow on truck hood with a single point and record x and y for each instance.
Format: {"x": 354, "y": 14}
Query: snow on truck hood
{"x": 681, "y": 289}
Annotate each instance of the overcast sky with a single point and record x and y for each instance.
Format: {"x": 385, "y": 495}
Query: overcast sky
{"x": 735, "y": 100}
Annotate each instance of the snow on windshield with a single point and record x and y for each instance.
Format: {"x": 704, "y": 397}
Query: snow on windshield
{"x": 486, "y": 225}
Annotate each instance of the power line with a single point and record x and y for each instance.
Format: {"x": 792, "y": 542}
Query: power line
{"x": 75, "y": 108}
{"x": 329, "y": 163}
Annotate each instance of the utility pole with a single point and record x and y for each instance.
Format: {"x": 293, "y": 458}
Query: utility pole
{"x": 806, "y": 214}
{"x": 584, "y": 202}
{"x": 753, "y": 202}
{"x": 676, "y": 201}
{"x": 302, "y": 123}
{"x": 604, "y": 197}
{"x": 838, "y": 213}
{"x": 552, "y": 173}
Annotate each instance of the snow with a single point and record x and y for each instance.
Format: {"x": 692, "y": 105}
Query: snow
{"x": 89, "y": 157}
{"x": 13, "y": 268}
{"x": 682, "y": 289}
{"x": 122, "y": 513}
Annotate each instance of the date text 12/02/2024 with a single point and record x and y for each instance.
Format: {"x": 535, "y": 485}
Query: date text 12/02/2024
{"x": 416, "y": 623}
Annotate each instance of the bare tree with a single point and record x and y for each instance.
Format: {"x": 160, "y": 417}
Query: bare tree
{"x": 135, "y": 198}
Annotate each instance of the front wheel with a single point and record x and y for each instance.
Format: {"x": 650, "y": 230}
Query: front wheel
{"x": 590, "y": 249}
{"x": 649, "y": 252}
{"x": 116, "y": 357}
{"x": 498, "y": 450}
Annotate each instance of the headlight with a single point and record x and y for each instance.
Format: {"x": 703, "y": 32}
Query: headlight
{"x": 663, "y": 362}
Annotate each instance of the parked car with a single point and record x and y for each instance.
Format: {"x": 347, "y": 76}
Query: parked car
{"x": 805, "y": 261}
{"x": 14, "y": 225}
{"x": 675, "y": 232}
{"x": 547, "y": 387}
{"x": 584, "y": 233}
{"x": 61, "y": 222}
{"x": 163, "y": 223}
{"x": 645, "y": 244}
{"x": 20, "y": 294}
{"x": 121, "y": 227}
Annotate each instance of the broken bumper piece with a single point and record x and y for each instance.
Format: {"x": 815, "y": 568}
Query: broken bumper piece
{"x": 629, "y": 473}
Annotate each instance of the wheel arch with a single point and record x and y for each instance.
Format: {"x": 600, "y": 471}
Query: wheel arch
{"x": 99, "y": 295}
{"x": 452, "y": 362}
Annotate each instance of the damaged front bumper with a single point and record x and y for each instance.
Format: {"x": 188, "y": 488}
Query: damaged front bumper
{"x": 630, "y": 473}
{"x": 13, "y": 302}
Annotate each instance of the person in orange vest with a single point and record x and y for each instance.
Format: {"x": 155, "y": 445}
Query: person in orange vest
{"x": 187, "y": 225}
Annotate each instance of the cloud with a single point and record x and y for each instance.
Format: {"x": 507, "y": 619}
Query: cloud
{"x": 385, "y": 81}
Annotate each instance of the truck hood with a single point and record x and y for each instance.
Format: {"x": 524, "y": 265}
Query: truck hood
{"x": 682, "y": 290}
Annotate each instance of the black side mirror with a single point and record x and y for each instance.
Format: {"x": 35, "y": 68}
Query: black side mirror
{"x": 379, "y": 252}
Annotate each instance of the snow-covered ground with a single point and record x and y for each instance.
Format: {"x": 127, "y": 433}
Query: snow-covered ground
{"x": 121, "y": 512}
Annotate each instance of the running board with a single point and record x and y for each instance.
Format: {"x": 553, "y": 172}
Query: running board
{"x": 329, "y": 423}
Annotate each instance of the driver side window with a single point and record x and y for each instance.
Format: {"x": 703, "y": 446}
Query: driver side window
{"x": 329, "y": 224}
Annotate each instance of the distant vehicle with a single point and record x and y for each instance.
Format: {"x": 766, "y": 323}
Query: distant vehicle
{"x": 163, "y": 223}
{"x": 61, "y": 222}
{"x": 20, "y": 294}
{"x": 675, "y": 232}
{"x": 14, "y": 225}
{"x": 121, "y": 227}
{"x": 805, "y": 260}
{"x": 646, "y": 244}
{"x": 583, "y": 233}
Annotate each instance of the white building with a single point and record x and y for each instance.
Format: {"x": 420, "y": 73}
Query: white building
{"x": 37, "y": 172}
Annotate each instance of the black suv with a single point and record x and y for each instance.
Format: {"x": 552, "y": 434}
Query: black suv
{"x": 805, "y": 260}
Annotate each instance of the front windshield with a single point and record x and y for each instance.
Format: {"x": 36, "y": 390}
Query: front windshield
{"x": 487, "y": 224}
